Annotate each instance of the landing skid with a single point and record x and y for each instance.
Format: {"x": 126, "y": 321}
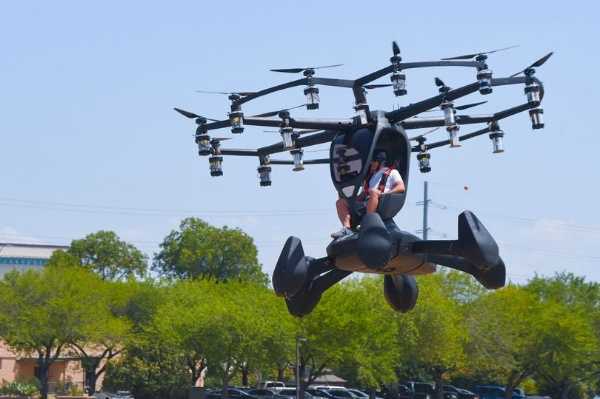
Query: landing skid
{"x": 379, "y": 247}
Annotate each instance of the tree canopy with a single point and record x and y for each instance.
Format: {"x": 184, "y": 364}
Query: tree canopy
{"x": 106, "y": 254}
{"x": 199, "y": 250}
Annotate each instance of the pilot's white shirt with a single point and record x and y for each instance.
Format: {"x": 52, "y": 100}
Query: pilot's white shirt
{"x": 392, "y": 179}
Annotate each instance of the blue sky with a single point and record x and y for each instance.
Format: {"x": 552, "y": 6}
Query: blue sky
{"x": 90, "y": 141}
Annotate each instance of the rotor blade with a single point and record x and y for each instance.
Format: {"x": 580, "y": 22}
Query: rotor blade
{"x": 273, "y": 113}
{"x": 424, "y": 134}
{"x": 460, "y": 107}
{"x": 220, "y": 138}
{"x": 187, "y": 114}
{"x": 466, "y": 106}
{"x": 395, "y": 48}
{"x": 542, "y": 60}
{"x": 306, "y": 131}
{"x": 376, "y": 86}
{"x": 192, "y": 115}
{"x": 536, "y": 64}
{"x": 296, "y": 70}
{"x": 303, "y": 131}
{"x": 469, "y": 56}
{"x": 241, "y": 93}
{"x": 326, "y": 66}
{"x": 288, "y": 70}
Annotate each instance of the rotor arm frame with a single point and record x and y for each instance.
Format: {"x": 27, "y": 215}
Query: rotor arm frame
{"x": 239, "y": 152}
{"x": 355, "y": 84}
{"x": 305, "y": 141}
{"x": 299, "y": 82}
{"x": 318, "y": 161}
{"x": 411, "y": 110}
{"x": 493, "y": 118}
{"x": 410, "y": 65}
{"x": 320, "y": 124}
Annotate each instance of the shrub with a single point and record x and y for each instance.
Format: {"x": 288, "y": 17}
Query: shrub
{"x": 28, "y": 387}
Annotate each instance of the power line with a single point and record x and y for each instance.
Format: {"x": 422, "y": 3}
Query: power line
{"x": 64, "y": 239}
{"x": 86, "y": 208}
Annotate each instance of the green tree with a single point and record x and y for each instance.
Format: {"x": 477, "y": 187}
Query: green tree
{"x": 573, "y": 306}
{"x": 104, "y": 253}
{"x": 433, "y": 335}
{"x": 373, "y": 351}
{"x": 105, "y": 337}
{"x": 199, "y": 250}
{"x": 347, "y": 332}
{"x": 508, "y": 332}
{"x": 150, "y": 368}
{"x": 42, "y": 312}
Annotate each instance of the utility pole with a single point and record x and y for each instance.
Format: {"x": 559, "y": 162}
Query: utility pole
{"x": 426, "y": 201}
{"x": 299, "y": 339}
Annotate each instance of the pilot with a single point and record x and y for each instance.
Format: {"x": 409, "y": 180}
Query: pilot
{"x": 380, "y": 180}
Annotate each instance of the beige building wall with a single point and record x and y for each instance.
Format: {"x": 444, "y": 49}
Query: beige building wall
{"x": 14, "y": 367}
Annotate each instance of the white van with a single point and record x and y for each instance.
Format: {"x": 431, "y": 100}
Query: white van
{"x": 274, "y": 386}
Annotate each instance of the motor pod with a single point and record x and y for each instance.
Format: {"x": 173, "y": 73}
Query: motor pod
{"x": 537, "y": 118}
{"x": 424, "y": 159}
{"x": 496, "y": 136}
{"x": 204, "y": 147}
{"x": 215, "y": 163}
{"x": 484, "y": 77}
{"x": 312, "y": 97}
{"x": 264, "y": 175}
{"x": 298, "y": 163}
{"x": 398, "y": 83}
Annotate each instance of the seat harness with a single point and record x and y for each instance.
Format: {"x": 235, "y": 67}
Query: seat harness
{"x": 382, "y": 182}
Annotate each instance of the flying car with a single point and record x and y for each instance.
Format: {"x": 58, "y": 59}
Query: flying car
{"x": 376, "y": 245}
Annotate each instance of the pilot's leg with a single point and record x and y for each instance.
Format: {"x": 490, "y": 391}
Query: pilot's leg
{"x": 343, "y": 211}
{"x": 373, "y": 201}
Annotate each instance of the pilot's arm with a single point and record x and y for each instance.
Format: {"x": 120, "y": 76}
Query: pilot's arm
{"x": 398, "y": 183}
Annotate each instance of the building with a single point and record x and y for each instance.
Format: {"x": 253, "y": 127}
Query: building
{"x": 25, "y": 256}
{"x": 14, "y": 366}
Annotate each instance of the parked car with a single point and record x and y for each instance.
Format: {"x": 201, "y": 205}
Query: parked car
{"x": 261, "y": 393}
{"x": 271, "y": 385}
{"x": 115, "y": 395}
{"x": 425, "y": 390}
{"x": 290, "y": 393}
{"x": 232, "y": 393}
{"x": 460, "y": 392}
{"x": 361, "y": 394}
{"x": 497, "y": 392}
{"x": 320, "y": 393}
{"x": 342, "y": 393}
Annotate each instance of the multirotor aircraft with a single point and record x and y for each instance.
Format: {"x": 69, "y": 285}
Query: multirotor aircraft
{"x": 376, "y": 245}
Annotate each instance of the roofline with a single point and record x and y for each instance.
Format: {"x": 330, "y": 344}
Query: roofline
{"x": 16, "y": 244}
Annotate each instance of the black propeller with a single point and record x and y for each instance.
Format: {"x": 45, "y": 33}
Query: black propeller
{"x": 461, "y": 107}
{"x": 273, "y": 113}
{"x": 192, "y": 115}
{"x": 376, "y": 86}
{"x": 297, "y": 70}
{"x": 215, "y": 140}
{"x": 536, "y": 64}
{"x": 469, "y": 56}
{"x": 395, "y": 48}
{"x": 239, "y": 93}
{"x": 304, "y": 131}
{"x": 420, "y": 136}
